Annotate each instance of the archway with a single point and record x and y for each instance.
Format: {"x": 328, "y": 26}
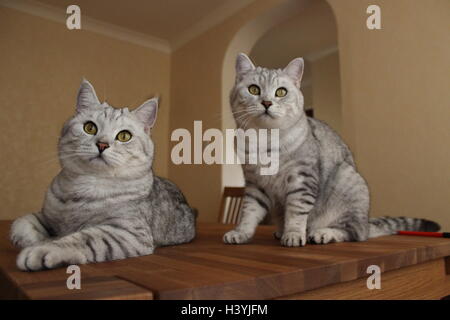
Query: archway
{"x": 268, "y": 39}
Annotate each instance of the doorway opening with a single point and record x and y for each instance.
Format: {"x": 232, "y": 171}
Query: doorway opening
{"x": 294, "y": 29}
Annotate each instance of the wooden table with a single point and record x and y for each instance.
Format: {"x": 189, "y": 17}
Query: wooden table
{"x": 412, "y": 268}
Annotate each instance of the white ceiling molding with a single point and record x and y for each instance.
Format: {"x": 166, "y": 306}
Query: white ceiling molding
{"x": 58, "y": 15}
{"x": 314, "y": 56}
{"x": 211, "y": 20}
{"x": 111, "y": 30}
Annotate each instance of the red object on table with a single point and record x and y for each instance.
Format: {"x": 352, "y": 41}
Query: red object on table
{"x": 425, "y": 234}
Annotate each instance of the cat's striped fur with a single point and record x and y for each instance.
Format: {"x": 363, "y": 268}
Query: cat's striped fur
{"x": 104, "y": 205}
{"x": 317, "y": 194}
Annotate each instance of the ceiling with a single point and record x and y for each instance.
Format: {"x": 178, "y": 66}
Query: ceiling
{"x": 163, "y": 19}
{"x": 310, "y": 33}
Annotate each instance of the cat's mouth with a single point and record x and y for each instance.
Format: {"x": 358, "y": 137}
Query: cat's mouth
{"x": 97, "y": 158}
{"x": 266, "y": 114}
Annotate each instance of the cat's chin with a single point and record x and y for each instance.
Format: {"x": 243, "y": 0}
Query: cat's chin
{"x": 99, "y": 161}
{"x": 267, "y": 121}
{"x": 88, "y": 166}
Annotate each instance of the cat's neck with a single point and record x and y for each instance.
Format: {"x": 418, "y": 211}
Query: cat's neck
{"x": 289, "y": 139}
{"x": 92, "y": 186}
{"x": 292, "y": 137}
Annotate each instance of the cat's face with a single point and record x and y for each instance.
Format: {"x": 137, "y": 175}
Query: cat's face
{"x": 104, "y": 141}
{"x": 267, "y": 98}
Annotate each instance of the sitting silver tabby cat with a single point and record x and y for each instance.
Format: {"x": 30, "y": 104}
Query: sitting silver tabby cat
{"x": 317, "y": 194}
{"x": 105, "y": 204}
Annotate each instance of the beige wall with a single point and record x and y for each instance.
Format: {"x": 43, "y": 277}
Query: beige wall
{"x": 307, "y": 92}
{"x": 196, "y": 94}
{"x": 396, "y": 96}
{"x": 326, "y": 90}
{"x": 293, "y": 29}
{"x": 309, "y": 31}
{"x": 395, "y": 113}
{"x": 311, "y": 34}
{"x": 41, "y": 65}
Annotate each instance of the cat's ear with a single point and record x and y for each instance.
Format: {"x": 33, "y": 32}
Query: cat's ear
{"x": 295, "y": 70}
{"x": 243, "y": 64}
{"x": 86, "y": 96}
{"x": 147, "y": 112}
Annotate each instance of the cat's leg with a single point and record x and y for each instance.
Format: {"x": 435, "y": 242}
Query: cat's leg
{"x": 302, "y": 190}
{"x": 255, "y": 206}
{"x": 345, "y": 217}
{"x": 110, "y": 241}
{"x": 296, "y": 218}
{"x": 278, "y": 216}
{"x": 328, "y": 235}
{"x": 29, "y": 230}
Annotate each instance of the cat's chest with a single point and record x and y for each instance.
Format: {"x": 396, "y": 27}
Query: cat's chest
{"x": 90, "y": 189}
{"x": 274, "y": 185}
{"x": 71, "y": 205}
{"x": 70, "y": 211}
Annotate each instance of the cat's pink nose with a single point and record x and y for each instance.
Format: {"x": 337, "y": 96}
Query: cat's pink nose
{"x": 266, "y": 104}
{"x": 102, "y": 146}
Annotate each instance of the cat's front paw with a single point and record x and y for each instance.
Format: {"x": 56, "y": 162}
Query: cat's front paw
{"x": 236, "y": 237}
{"x": 293, "y": 239}
{"x": 27, "y": 231}
{"x": 42, "y": 257}
{"x": 326, "y": 235}
{"x": 277, "y": 235}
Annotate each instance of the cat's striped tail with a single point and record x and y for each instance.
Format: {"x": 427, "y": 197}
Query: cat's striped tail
{"x": 382, "y": 226}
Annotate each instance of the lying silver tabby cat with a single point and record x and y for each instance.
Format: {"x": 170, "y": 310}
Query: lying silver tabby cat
{"x": 105, "y": 204}
{"x": 317, "y": 194}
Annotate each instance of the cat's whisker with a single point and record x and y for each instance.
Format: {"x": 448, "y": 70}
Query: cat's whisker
{"x": 221, "y": 115}
{"x": 242, "y": 117}
{"x": 245, "y": 110}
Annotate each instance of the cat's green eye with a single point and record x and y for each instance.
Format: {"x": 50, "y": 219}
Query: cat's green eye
{"x": 281, "y": 92}
{"x": 90, "y": 128}
{"x": 124, "y": 136}
{"x": 254, "y": 90}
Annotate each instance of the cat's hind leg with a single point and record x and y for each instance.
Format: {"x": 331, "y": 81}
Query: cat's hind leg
{"x": 278, "y": 217}
{"x": 344, "y": 214}
{"x": 29, "y": 230}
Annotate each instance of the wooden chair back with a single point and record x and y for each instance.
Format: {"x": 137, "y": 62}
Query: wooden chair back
{"x": 230, "y": 207}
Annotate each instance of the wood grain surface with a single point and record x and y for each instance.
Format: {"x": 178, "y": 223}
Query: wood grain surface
{"x": 424, "y": 281}
{"x": 209, "y": 269}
